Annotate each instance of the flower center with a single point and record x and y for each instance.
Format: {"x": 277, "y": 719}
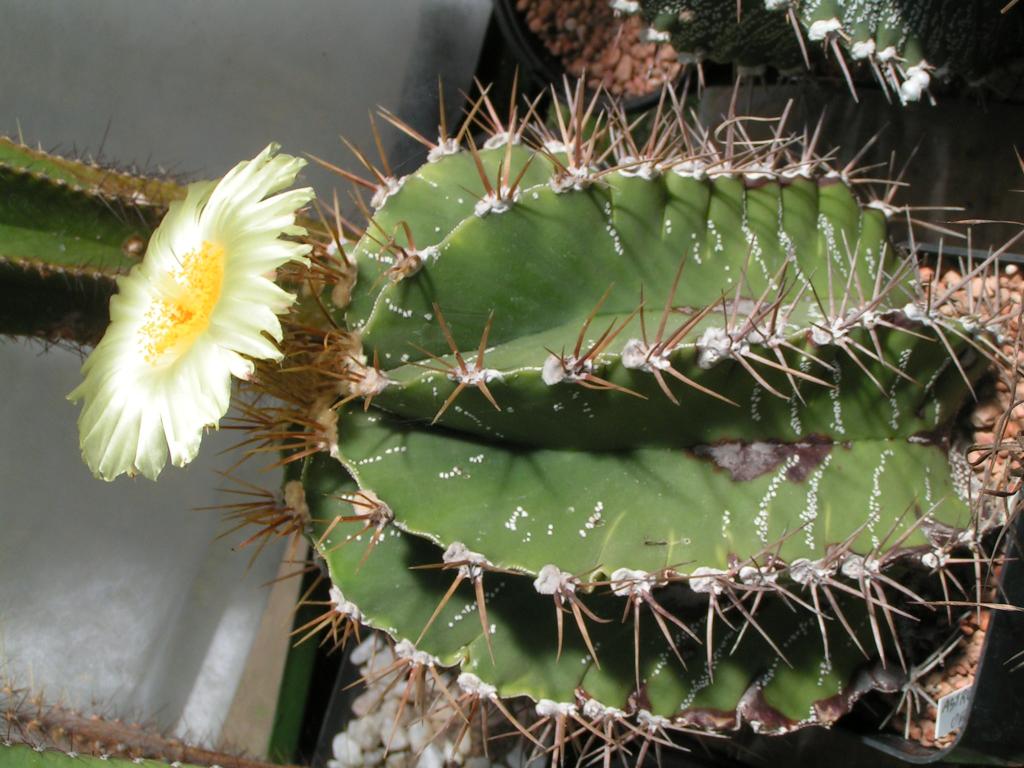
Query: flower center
{"x": 173, "y": 323}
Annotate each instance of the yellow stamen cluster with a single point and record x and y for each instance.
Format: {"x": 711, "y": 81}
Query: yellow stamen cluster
{"x": 173, "y": 323}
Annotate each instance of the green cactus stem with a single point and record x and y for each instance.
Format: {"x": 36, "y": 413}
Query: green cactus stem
{"x": 67, "y": 229}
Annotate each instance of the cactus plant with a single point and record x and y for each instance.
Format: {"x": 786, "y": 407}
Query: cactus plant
{"x": 642, "y": 436}
{"x": 903, "y": 42}
{"x": 686, "y": 381}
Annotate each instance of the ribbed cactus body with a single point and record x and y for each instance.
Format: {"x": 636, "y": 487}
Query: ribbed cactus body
{"x": 396, "y": 589}
{"x": 629, "y": 236}
{"x": 690, "y": 384}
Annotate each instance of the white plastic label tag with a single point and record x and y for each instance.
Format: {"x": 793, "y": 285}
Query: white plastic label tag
{"x": 953, "y": 710}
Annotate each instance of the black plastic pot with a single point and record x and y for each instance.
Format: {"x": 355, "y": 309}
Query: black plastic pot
{"x": 536, "y": 64}
{"x": 995, "y": 726}
{"x": 339, "y": 710}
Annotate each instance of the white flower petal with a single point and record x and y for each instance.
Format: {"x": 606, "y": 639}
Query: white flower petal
{"x": 256, "y": 254}
{"x": 256, "y": 289}
{"x": 243, "y": 341}
{"x": 188, "y": 318}
{"x": 151, "y": 452}
{"x": 176, "y": 234}
{"x": 240, "y": 367}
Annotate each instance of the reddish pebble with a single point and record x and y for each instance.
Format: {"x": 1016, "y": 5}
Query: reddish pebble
{"x": 588, "y": 38}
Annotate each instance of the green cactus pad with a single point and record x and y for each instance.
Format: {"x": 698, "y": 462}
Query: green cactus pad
{"x": 632, "y": 233}
{"x": 593, "y": 512}
{"x": 397, "y": 590}
{"x": 439, "y": 194}
{"x": 627, "y": 237}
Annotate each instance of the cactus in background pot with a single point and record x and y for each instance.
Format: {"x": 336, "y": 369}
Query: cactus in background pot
{"x": 902, "y": 43}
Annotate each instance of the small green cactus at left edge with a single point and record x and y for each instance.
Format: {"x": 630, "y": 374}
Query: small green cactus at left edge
{"x": 41, "y": 733}
{"x": 67, "y": 229}
{"x": 23, "y": 756}
{"x": 685, "y": 381}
